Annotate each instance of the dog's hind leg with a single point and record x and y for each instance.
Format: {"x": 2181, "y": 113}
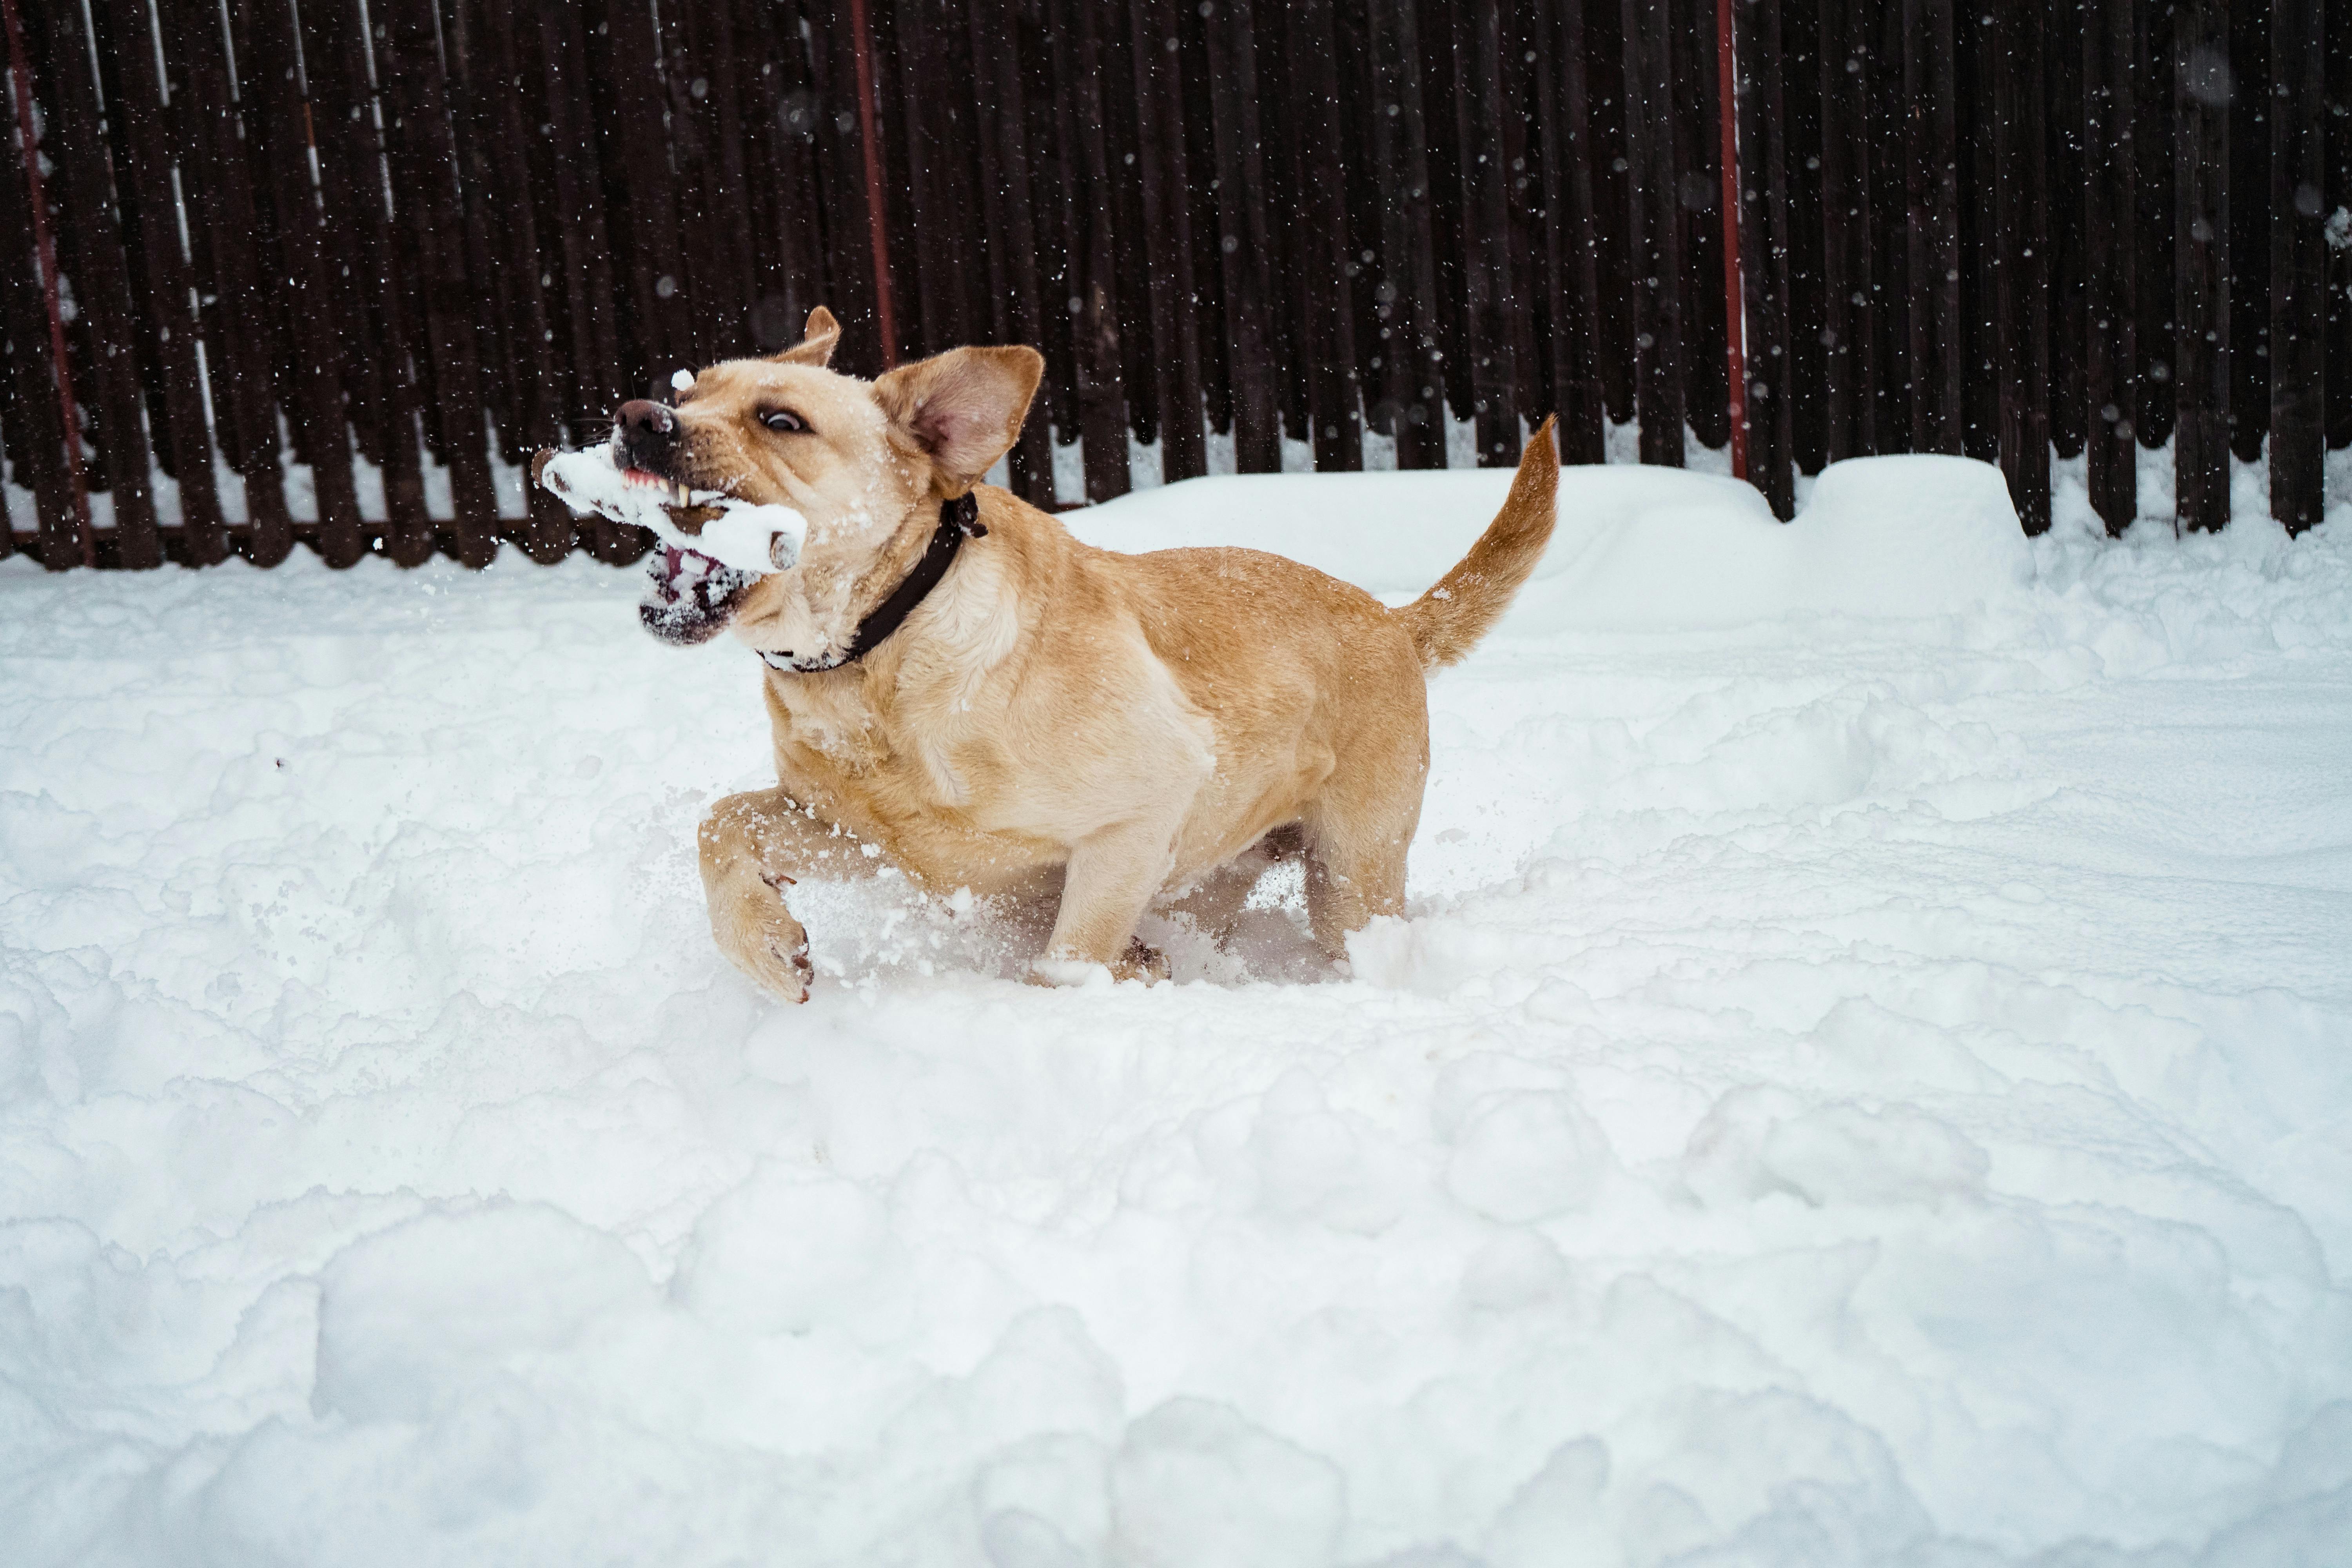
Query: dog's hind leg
{"x": 753, "y": 847}
{"x": 1357, "y": 835}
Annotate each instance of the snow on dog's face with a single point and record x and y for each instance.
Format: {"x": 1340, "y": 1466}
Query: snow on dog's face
{"x": 865, "y": 463}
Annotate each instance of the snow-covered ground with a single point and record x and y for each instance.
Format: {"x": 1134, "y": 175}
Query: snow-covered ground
{"x": 1866, "y": 1079}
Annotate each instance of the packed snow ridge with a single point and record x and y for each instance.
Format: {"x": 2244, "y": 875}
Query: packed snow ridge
{"x": 1865, "y": 1078}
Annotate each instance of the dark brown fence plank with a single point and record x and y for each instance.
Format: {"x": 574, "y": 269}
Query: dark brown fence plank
{"x": 1008, "y": 213}
{"x": 1849, "y": 357}
{"x": 2153, "y": 261}
{"x": 1321, "y": 228}
{"x": 1086, "y": 229}
{"x": 1164, "y": 182}
{"x": 142, "y": 108}
{"x": 425, "y": 183}
{"x": 2021, "y": 248}
{"x": 1565, "y": 149}
{"x": 2249, "y": 94}
{"x": 1244, "y": 241}
{"x": 1930, "y": 89}
{"x": 90, "y": 254}
{"x": 2110, "y": 179}
{"x": 238, "y": 314}
{"x": 1764, "y": 250}
{"x": 2298, "y": 240}
{"x": 2336, "y": 196}
{"x": 1489, "y": 299}
{"x": 1656, "y": 230}
{"x": 266, "y": 60}
{"x": 37, "y": 432}
{"x": 1801, "y": 109}
{"x": 2200, "y": 452}
{"x": 1707, "y": 398}
{"x": 2069, "y": 296}
{"x": 499, "y": 96}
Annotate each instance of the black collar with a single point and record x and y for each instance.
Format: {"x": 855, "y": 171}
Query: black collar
{"x": 958, "y": 520}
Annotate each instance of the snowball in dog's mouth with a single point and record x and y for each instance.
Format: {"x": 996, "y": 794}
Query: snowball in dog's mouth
{"x": 689, "y": 596}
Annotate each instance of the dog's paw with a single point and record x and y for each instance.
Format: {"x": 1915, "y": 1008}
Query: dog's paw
{"x": 1147, "y": 965}
{"x": 1142, "y": 961}
{"x": 761, "y": 938}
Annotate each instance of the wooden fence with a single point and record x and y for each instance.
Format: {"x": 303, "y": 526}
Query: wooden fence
{"x": 326, "y": 270}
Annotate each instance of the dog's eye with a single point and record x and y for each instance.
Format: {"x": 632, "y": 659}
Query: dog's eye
{"x": 783, "y": 420}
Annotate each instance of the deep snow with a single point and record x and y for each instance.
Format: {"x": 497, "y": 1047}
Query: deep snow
{"x": 1867, "y": 1078}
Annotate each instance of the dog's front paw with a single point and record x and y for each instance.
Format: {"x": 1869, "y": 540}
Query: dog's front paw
{"x": 761, "y": 938}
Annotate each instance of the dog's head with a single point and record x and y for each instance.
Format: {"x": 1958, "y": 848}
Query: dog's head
{"x": 866, "y": 463}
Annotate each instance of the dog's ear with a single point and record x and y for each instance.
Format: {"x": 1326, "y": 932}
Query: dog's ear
{"x": 816, "y": 346}
{"x": 963, "y": 409}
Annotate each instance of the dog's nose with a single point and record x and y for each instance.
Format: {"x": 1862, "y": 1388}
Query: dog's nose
{"x": 648, "y": 431}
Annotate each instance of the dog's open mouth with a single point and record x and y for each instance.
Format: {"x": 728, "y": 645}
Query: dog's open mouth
{"x": 689, "y": 595}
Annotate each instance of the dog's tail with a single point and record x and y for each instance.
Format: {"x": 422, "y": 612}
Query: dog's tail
{"x": 1447, "y": 622}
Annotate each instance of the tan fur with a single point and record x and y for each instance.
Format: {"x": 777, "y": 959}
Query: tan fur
{"x": 1052, "y": 717}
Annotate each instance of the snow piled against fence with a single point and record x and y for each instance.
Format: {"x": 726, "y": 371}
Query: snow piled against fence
{"x": 1866, "y": 1077}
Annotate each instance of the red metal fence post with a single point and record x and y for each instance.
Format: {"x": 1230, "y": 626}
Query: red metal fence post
{"x": 44, "y": 252}
{"x": 1734, "y": 316}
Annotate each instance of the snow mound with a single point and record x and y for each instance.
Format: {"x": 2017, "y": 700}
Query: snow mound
{"x": 1636, "y": 549}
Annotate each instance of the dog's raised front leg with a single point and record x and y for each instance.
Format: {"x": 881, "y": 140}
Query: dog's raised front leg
{"x": 753, "y": 847}
{"x": 1110, "y": 881}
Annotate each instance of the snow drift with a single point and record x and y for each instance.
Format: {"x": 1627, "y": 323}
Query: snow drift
{"x": 1866, "y": 1079}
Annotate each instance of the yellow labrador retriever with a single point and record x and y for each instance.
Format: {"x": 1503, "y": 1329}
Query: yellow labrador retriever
{"x": 958, "y": 689}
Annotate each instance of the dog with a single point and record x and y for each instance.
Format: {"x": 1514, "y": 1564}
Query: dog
{"x": 958, "y": 689}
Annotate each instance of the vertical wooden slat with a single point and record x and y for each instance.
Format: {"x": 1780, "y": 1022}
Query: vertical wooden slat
{"x": 1612, "y": 178}
{"x": 2110, "y": 180}
{"x": 37, "y": 432}
{"x": 1562, "y": 99}
{"x": 2248, "y": 88}
{"x": 1443, "y": 308}
{"x": 2023, "y": 293}
{"x": 2298, "y": 240}
{"x": 1208, "y": 292}
{"x": 1010, "y": 215}
{"x": 1411, "y": 363}
{"x": 1698, "y": 90}
{"x": 425, "y": 171}
{"x": 1849, "y": 352}
{"x": 1334, "y": 400}
{"x": 1165, "y": 182}
{"x": 595, "y": 381}
{"x": 1244, "y": 242}
{"x": 1488, "y": 293}
{"x": 499, "y": 97}
{"x": 240, "y": 319}
{"x": 1140, "y": 353}
{"x": 1933, "y": 197}
{"x": 266, "y": 60}
{"x": 2153, "y": 262}
{"x": 852, "y": 290}
{"x": 2201, "y": 451}
{"x": 2064, "y": 28}
{"x": 168, "y": 288}
{"x": 91, "y": 255}
{"x": 1890, "y": 247}
{"x": 639, "y": 171}
{"x": 1800, "y": 106}
{"x": 1764, "y": 250}
{"x": 1976, "y": 73}
{"x": 2336, "y": 196}
{"x": 1656, "y": 274}
{"x": 939, "y": 293}
{"x": 1077, "y": 52}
